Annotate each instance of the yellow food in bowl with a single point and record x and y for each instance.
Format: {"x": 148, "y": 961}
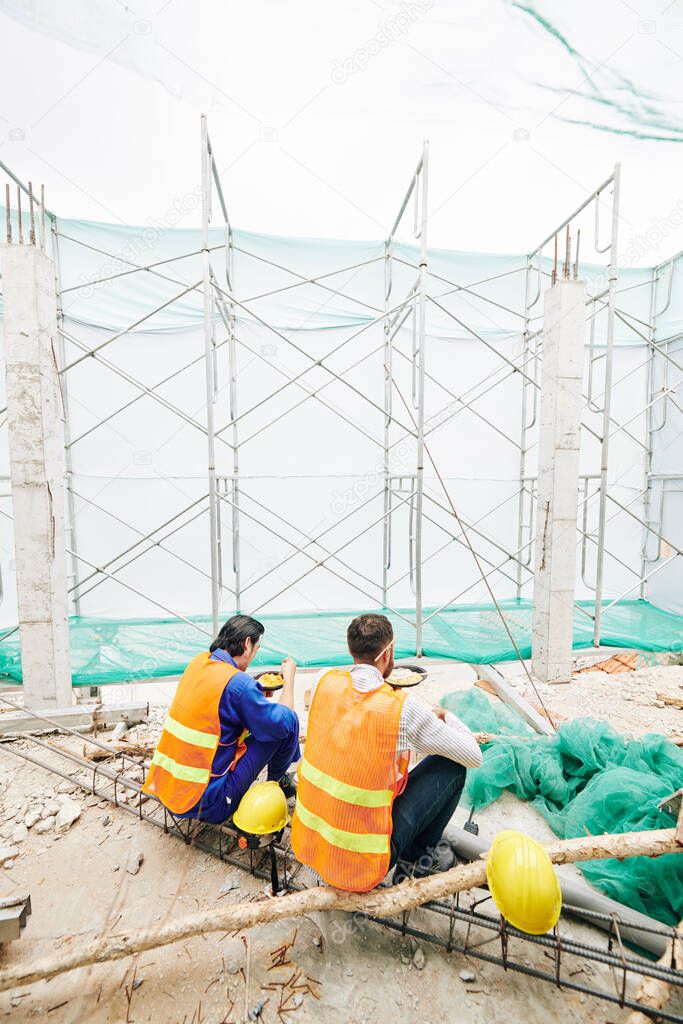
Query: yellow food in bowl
{"x": 271, "y": 680}
{"x": 404, "y": 677}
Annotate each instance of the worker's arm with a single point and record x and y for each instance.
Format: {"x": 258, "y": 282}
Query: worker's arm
{"x": 265, "y": 719}
{"x": 437, "y": 731}
{"x": 288, "y": 671}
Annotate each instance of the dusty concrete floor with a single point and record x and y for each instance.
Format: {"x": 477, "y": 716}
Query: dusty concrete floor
{"x": 349, "y": 970}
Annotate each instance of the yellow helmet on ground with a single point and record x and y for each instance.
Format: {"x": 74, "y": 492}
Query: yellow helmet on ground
{"x": 262, "y": 809}
{"x": 523, "y": 882}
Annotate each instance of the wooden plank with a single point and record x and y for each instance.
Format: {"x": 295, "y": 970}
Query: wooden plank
{"x": 509, "y": 695}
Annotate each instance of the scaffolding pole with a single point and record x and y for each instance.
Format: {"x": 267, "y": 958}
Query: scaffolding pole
{"x": 388, "y": 392}
{"x": 73, "y": 575}
{"x": 209, "y": 374}
{"x": 609, "y": 360}
{"x": 422, "y": 343}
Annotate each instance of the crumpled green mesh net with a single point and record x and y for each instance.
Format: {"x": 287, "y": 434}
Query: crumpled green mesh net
{"x": 585, "y": 778}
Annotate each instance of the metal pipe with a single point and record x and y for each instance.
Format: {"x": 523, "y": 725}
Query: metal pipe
{"x": 422, "y": 334}
{"x": 127, "y": 330}
{"x": 386, "y": 434}
{"x": 232, "y": 410}
{"x": 8, "y": 218}
{"x": 609, "y": 359}
{"x": 74, "y": 572}
{"x": 579, "y": 895}
{"x": 314, "y": 362}
{"x": 208, "y": 372}
{"x": 406, "y": 200}
{"x": 584, "y": 204}
{"x": 20, "y": 184}
{"x": 303, "y": 280}
{"x": 149, "y": 392}
{"x": 523, "y": 431}
{"x": 321, "y": 562}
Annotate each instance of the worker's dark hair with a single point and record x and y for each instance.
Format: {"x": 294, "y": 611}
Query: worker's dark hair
{"x": 234, "y": 632}
{"x": 368, "y": 635}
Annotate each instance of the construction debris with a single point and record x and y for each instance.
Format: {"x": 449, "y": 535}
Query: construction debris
{"x": 616, "y": 664}
{"x": 654, "y": 993}
{"x": 134, "y": 862}
{"x": 68, "y": 813}
{"x": 137, "y": 750}
{"x": 13, "y": 913}
{"x": 378, "y": 902}
{"x": 671, "y": 700}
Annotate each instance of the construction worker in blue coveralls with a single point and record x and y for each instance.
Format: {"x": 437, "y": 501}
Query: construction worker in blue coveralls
{"x": 222, "y": 731}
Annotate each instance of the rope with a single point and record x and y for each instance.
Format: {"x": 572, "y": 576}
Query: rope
{"x": 478, "y": 563}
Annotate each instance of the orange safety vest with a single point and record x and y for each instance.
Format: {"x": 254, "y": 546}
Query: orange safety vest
{"x": 349, "y": 776}
{"x": 182, "y": 762}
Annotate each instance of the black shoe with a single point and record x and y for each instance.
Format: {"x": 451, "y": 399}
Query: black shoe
{"x": 431, "y": 863}
{"x": 287, "y": 786}
{"x": 410, "y": 869}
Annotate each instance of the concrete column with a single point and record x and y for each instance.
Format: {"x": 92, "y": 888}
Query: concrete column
{"x": 36, "y": 446}
{"x": 558, "y": 480}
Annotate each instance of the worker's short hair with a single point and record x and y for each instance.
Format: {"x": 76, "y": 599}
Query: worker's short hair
{"x": 368, "y": 635}
{"x": 234, "y": 633}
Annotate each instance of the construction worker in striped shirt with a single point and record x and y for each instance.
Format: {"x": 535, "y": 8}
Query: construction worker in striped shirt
{"x": 222, "y": 731}
{"x": 358, "y": 811}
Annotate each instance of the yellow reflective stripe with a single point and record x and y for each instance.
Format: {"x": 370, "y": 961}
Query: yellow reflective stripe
{"x": 349, "y": 794}
{"x": 183, "y": 732}
{"x": 180, "y": 771}
{"x": 357, "y": 842}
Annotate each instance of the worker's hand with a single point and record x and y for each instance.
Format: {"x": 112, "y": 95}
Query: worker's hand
{"x": 483, "y": 738}
{"x": 288, "y": 670}
{"x": 439, "y": 712}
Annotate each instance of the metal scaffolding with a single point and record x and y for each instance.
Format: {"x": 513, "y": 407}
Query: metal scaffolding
{"x": 405, "y": 312}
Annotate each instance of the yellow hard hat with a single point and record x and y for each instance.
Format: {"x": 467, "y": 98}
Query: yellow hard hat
{"x": 262, "y": 809}
{"x": 523, "y": 882}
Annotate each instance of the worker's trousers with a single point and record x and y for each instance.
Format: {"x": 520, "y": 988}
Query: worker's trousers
{"x": 424, "y": 808}
{"x": 222, "y": 795}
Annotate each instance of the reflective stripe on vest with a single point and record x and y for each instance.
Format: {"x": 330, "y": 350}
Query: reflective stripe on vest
{"x": 349, "y": 777}
{"x": 340, "y": 790}
{"x": 183, "y": 732}
{"x": 180, "y": 771}
{"x": 355, "y": 841}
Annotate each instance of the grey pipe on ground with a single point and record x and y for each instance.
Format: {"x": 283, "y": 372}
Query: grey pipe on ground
{"x": 577, "y": 895}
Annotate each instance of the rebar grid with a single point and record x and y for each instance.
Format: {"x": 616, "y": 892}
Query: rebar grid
{"x": 109, "y": 779}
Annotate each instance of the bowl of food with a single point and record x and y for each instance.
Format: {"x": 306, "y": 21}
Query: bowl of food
{"x": 406, "y": 675}
{"x": 270, "y": 681}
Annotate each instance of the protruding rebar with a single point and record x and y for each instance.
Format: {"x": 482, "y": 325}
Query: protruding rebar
{"x": 567, "y": 254}
{"x": 32, "y": 216}
{"x": 42, "y": 217}
{"x": 576, "y": 257}
{"x": 19, "y": 224}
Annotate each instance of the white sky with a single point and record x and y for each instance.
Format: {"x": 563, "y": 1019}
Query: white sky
{"x": 317, "y": 111}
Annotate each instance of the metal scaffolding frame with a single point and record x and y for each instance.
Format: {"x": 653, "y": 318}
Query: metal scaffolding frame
{"x": 225, "y": 313}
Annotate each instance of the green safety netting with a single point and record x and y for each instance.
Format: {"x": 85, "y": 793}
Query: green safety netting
{"x": 585, "y": 778}
{"x": 125, "y": 650}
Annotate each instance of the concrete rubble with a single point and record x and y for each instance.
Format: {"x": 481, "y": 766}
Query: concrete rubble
{"x": 93, "y": 868}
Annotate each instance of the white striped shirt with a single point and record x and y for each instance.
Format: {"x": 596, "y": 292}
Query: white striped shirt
{"x": 419, "y": 729}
